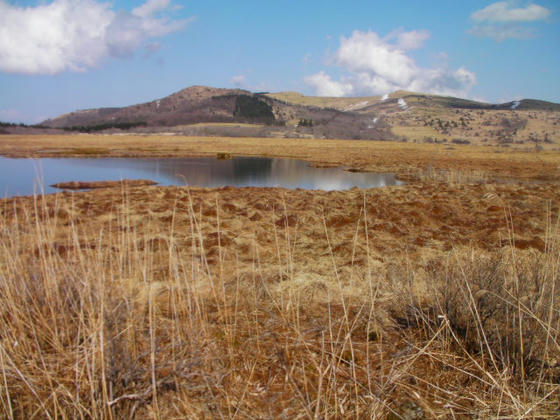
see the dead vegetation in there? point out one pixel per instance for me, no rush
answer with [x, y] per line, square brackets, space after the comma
[431, 300]
[491, 127]
[377, 156]
[86, 185]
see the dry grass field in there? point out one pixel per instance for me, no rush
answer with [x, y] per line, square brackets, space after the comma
[406, 159]
[341, 103]
[429, 118]
[521, 129]
[436, 299]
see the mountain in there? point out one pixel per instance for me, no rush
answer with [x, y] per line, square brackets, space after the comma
[192, 105]
[200, 104]
[432, 118]
[402, 115]
[375, 103]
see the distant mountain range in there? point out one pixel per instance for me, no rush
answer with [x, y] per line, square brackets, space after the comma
[386, 102]
[201, 110]
[207, 105]
[200, 104]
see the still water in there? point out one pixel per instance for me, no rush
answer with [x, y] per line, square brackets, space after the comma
[26, 176]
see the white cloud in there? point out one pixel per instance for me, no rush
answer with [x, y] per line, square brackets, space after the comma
[150, 7]
[325, 86]
[501, 21]
[502, 11]
[76, 34]
[366, 52]
[408, 40]
[374, 66]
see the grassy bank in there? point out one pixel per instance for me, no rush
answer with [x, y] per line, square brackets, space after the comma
[380, 156]
[430, 300]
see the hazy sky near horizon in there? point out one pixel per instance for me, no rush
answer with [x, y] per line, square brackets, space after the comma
[57, 56]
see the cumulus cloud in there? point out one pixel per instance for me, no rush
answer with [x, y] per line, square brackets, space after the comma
[366, 53]
[373, 66]
[76, 34]
[324, 85]
[501, 21]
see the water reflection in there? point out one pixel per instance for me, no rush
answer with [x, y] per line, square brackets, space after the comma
[22, 176]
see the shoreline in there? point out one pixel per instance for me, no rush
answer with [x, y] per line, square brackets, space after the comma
[198, 296]
[403, 159]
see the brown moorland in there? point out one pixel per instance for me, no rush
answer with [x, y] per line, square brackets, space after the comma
[408, 160]
[434, 299]
[405, 116]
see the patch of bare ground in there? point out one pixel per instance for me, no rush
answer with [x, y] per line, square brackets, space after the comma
[435, 299]
[89, 185]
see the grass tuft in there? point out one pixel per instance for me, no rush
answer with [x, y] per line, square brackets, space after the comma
[158, 318]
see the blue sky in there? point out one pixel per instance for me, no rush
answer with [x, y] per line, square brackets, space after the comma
[57, 56]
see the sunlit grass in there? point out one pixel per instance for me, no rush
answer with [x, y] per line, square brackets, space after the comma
[163, 320]
[377, 156]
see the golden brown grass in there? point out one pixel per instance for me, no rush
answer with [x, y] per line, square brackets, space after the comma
[255, 303]
[438, 299]
[452, 177]
[418, 133]
[340, 103]
[401, 158]
[482, 127]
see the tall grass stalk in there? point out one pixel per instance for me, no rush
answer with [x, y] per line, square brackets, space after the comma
[152, 319]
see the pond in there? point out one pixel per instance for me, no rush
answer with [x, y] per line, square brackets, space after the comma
[26, 176]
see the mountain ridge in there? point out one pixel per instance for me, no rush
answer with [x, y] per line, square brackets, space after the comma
[202, 94]
[402, 115]
[456, 102]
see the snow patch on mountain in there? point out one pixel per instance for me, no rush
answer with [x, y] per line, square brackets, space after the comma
[402, 104]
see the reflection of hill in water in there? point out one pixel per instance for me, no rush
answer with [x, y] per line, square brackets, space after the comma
[252, 168]
[213, 172]
[240, 171]
[299, 174]
[199, 172]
